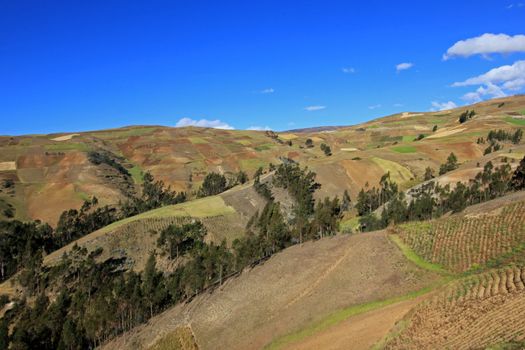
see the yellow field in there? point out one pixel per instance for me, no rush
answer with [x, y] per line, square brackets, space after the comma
[288, 136]
[398, 173]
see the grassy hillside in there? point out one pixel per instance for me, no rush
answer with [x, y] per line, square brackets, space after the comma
[224, 216]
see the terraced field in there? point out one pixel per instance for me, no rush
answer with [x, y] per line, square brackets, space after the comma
[463, 242]
[473, 313]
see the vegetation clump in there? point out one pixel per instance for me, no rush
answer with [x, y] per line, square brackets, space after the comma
[465, 116]
[451, 164]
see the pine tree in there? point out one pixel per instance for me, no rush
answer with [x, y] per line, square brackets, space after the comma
[517, 183]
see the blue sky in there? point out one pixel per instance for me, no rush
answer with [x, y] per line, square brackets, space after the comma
[73, 66]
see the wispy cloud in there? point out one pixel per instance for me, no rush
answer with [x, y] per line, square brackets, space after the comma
[348, 70]
[486, 44]
[259, 128]
[404, 66]
[204, 123]
[442, 106]
[267, 91]
[398, 105]
[314, 108]
[495, 82]
[374, 106]
[515, 5]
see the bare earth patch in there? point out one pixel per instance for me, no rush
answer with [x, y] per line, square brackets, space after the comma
[5, 166]
[65, 137]
[446, 132]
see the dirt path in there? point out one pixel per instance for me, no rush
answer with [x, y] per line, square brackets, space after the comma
[358, 332]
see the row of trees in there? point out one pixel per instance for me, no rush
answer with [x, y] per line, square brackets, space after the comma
[215, 183]
[432, 200]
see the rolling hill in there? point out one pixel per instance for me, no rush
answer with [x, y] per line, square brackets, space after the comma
[55, 168]
[416, 285]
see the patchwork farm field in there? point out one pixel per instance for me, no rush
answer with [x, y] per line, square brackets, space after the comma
[174, 155]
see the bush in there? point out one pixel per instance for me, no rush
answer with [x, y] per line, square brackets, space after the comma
[213, 184]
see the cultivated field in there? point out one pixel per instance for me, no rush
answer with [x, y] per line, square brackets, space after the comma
[474, 313]
[471, 240]
[54, 169]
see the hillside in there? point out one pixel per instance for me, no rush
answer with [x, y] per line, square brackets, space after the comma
[289, 292]
[55, 169]
[264, 264]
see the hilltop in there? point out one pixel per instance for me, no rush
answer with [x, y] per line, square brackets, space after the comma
[55, 169]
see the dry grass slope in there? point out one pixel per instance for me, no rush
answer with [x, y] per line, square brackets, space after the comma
[294, 289]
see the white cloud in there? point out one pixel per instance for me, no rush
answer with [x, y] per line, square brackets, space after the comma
[314, 108]
[216, 124]
[491, 90]
[486, 44]
[404, 66]
[267, 91]
[516, 5]
[442, 106]
[504, 74]
[259, 128]
[374, 107]
[495, 82]
[348, 70]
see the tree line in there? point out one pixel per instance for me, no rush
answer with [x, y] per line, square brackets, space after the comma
[431, 200]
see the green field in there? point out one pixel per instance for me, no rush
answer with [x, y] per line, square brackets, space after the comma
[404, 149]
[515, 121]
[409, 138]
[197, 140]
[251, 164]
[199, 208]
[264, 147]
[136, 174]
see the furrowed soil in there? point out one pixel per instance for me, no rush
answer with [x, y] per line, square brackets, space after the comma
[294, 289]
[475, 313]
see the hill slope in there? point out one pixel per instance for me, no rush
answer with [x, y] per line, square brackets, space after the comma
[297, 287]
[55, 169]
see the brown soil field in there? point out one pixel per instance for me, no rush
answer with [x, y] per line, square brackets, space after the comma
[296, 287]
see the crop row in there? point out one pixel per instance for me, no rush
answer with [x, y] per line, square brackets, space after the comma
[461, 243]
[473, 313]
